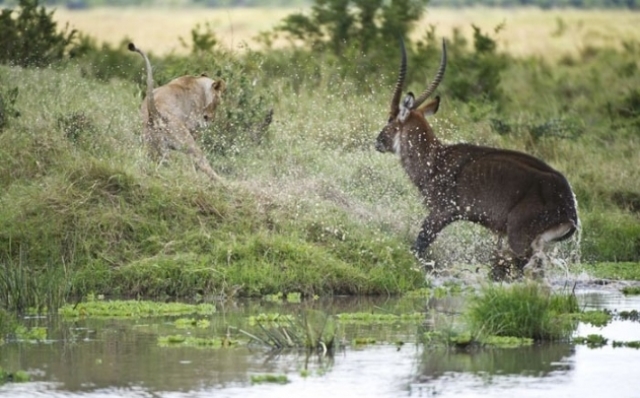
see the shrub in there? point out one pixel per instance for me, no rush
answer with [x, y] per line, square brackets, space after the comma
[31, 38]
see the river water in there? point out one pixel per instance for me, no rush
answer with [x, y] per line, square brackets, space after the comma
[122, 358]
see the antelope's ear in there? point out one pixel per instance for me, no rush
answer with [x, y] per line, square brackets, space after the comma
[406, 106]
[219, 86]
[430, 108]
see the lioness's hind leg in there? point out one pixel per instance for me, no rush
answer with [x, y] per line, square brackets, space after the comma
[199, 159]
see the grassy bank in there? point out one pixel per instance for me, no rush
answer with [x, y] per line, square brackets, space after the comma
[309, 206]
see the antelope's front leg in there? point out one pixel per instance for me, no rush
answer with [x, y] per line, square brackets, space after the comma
[431, 227]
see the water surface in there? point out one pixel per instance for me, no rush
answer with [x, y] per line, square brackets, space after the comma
[122, 358]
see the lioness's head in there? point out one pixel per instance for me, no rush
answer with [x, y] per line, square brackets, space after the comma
[213, 96]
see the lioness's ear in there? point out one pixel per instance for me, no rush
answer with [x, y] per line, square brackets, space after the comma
[219, 85]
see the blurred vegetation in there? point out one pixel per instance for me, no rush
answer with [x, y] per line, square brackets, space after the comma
[31, 38]
[310, 207]
[545, 4]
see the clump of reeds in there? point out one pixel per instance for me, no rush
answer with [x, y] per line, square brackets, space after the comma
[310, 331]
[523, 310]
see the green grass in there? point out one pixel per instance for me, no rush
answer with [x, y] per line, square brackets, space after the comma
[621, 270]
[526, 310]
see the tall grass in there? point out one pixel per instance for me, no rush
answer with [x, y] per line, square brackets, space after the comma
[522, 310]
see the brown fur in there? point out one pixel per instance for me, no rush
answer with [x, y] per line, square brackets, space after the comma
[511, 193]
[173, 114]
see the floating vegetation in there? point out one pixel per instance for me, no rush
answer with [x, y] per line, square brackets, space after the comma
[506, 341]
[360, 341]
[372, 318]
[180, 340]
[632, 315]
[591, 341]
[466, 339]
[447, 339]
[631, 290]
[190, 323]
[269, 378]
[273, 298]
[16, 377]
[274, 317]
[523, 310]
[628, 344]
[133, 309]
[30, 334]
[294, 297]
[597, 318]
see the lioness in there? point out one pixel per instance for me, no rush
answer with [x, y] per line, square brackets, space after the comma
[173, 113]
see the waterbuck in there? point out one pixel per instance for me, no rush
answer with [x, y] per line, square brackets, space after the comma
[511, 193]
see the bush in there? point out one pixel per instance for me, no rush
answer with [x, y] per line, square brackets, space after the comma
[31, 39]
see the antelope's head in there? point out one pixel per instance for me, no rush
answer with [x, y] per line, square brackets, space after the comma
[409, 116]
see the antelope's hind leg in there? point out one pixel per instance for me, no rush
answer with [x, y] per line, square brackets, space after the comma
[535, 266]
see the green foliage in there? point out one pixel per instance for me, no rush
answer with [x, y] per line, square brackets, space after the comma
[475, 75]
[595, 318]
[269, 378]
[132, 309]
[8, 111]
[357, 33]
[203, 39]
[336, 25]
[31, 37]
[506, 341]
[23, 288]
[632, 315]
[629, 344]
[16, 377]
[311, 330]
[522, 310]
[366, 318]
[8, 323]
[631, 290]
[614, 270]
[104, 61]
[180, 340]
[591, 341]
[613, 235]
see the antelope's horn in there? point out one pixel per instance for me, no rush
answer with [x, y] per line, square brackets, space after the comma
[436, 81]
[395, 100]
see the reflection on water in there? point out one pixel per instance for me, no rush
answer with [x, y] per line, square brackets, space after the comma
[121, 358]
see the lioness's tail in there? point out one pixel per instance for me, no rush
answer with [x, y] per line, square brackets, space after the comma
[151, 105]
